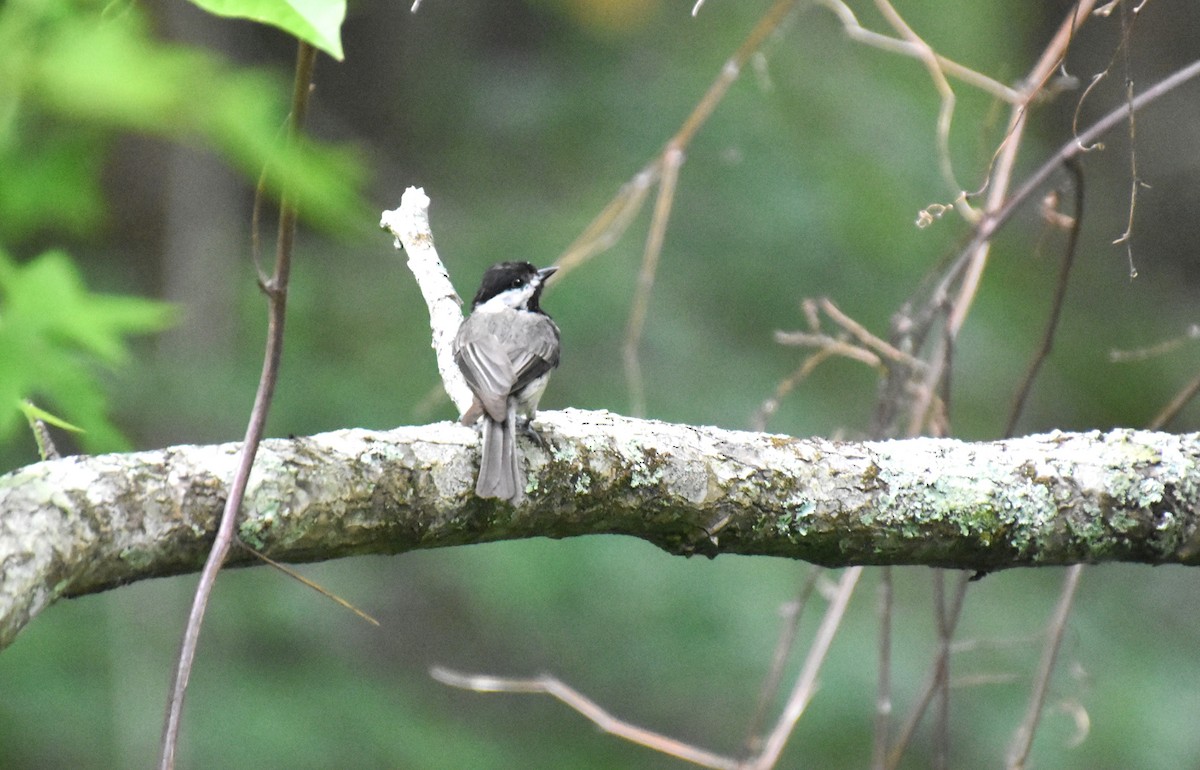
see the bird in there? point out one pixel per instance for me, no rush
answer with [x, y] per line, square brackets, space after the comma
[506, 349]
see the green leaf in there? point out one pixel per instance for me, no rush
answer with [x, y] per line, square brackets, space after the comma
[34, 412]
[98, 75]
[318, 22]
[56, 337]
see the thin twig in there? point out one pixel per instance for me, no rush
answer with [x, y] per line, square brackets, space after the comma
[1023, 738]
[276, 290]
[1177, 404]
[768, 408]
[931, 682]
[1158, 349]
[990, 224]
[872, 351]
[549, 685]
[1056, 305]
[967, 269]
[1122, 51]
[671, 162]
[799, 698]
[1135, 181]
[612, 221]
[883, 348]
[1001, 176]
[805, 686]
[945, 635]
[861, 34]
[831, 345]
[783, 649]
[883, 688]
[294, 575]
[945, 93]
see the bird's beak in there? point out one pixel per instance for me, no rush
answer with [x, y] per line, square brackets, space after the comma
[545, 273]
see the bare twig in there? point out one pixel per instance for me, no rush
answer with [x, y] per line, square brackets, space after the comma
[861, 34]
[834, 346]
[612, 221]
[952, 615]
[276, 291]
[945, 96]
[998, 184]
[871, 341]
[991, 223]
[770, 405]
[1158, 349]
[1135, 181]
[883, 690]
[1056, 305]
[967, 268]
[409, 225]
[945, 635]
[666, 169]
[787, 640]
[671, 161]
[549, 685]
[1121, 51]
[806, 683]
[799, 698]
[1023, 738]
[870, 350]
[322, 590]
[1181, 400]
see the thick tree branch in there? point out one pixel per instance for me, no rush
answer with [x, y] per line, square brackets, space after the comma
[85, 524]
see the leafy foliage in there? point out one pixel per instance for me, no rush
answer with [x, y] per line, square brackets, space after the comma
[74, 74]
[54, 333]
[82, 74]
[315, 21]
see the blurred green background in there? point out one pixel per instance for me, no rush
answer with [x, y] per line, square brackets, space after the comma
[521, 120]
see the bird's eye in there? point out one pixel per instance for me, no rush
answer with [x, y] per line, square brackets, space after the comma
[516, 283]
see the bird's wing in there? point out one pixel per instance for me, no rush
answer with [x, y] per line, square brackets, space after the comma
[488, 371]
[540, 352]
[502, 352]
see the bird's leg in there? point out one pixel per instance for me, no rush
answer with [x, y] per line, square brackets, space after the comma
[525, 425]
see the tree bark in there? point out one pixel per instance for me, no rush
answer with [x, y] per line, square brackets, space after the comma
[85, 524]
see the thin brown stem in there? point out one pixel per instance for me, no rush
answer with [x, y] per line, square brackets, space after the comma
[672, 160]
[294, 575]
[276, 291]
[783, 649]
[612, 221]
[967, 268]
[931, 682]
[868, 37]
[771, 405]
[945, 632]
[805, 687]
[549, 685]
[990, 224]
[998, 185]
[945, 93]
[1023, 739]
[883, 690]
[1178, 403]
[1056, 306]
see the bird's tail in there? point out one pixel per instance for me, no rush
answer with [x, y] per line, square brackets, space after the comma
[500, 466]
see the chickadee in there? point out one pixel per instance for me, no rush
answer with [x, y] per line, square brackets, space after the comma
[506, 348]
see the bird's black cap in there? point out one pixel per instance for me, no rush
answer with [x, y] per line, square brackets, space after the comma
[503, 276]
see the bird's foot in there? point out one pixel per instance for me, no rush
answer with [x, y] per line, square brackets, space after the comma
[525, 425]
